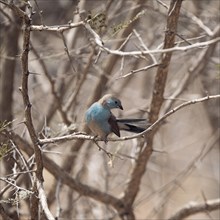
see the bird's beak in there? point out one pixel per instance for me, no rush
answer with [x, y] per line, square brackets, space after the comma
[120, 106]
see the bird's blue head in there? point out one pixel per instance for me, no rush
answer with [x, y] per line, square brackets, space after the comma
[111, 102]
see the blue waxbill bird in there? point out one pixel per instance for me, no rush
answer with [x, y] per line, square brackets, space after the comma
[102, 122]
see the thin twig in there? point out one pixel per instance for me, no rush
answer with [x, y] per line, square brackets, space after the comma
[67, 52]
[172, 49]
[56, 28]
[132, 72]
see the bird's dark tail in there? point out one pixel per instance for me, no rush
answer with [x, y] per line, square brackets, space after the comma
[132, 128]
[132, 125]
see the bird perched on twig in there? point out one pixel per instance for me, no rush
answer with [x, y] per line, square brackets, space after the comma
[102, 122]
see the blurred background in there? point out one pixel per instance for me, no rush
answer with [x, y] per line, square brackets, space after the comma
[68, 73]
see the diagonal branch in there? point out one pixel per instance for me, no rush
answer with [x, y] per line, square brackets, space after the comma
[157, 100]
[84, 136]
[194, 207]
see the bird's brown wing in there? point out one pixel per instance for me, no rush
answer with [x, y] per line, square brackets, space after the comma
[114, 125]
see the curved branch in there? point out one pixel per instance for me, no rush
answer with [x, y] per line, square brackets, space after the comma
[193, 208]
[80, 135]
[99, 42]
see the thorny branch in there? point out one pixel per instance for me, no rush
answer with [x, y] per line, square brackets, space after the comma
[38, 185]
[100, 43]
[58, 173]
[158, 122]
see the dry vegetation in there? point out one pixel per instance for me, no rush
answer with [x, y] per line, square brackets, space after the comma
[161, 58]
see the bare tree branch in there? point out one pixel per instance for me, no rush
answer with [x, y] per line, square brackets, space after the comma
[79, 135]
[58, 173]
[157, 100]
[118, 52]
[56, 28]
[194, 208]
[38, 191]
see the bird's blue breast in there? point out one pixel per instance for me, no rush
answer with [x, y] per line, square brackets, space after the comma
[99, 115]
